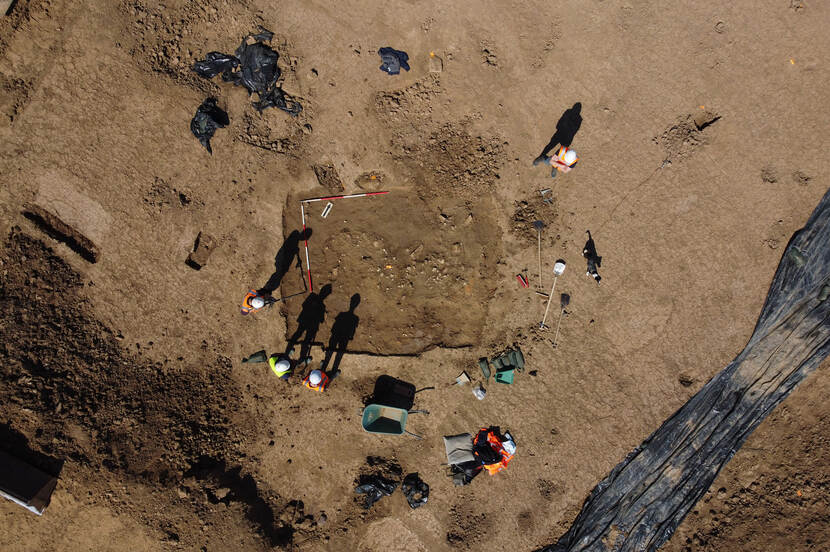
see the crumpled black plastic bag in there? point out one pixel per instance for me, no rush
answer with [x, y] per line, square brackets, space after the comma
[393, 60]
[215, 63]
[253, 66]
[207, 119]
[415, 490]
[375, 487]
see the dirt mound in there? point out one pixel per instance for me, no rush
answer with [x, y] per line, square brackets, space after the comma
[440, 158]
[527, 212]
[69, 391]
[150, 420]
[685, 135]
[414, 101]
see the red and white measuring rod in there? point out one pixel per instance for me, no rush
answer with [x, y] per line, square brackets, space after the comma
[367, 194]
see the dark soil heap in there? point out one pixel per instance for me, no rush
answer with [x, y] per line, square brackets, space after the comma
[70, 392]
[66, 368]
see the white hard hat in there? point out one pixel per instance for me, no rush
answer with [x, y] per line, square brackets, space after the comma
[315, 377]
[282, 365]
[257, 302]
[570, 157]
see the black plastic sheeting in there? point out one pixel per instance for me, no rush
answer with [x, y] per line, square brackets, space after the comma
[207, 119]
[253, 66]
[415, 490]
[375, 487]
[641, 502]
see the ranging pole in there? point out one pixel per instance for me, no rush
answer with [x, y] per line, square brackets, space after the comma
[305, 238]
[341, 197]
[305, 234]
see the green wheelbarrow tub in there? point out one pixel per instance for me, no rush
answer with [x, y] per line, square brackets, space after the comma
[387, 420]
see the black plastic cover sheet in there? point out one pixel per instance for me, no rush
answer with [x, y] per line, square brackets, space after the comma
[207, 119]
[415, 490]
[253, 66]
[375, 487]
[642, 501]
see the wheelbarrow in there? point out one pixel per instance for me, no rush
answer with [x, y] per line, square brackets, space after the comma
[387, 420]
[390, 406]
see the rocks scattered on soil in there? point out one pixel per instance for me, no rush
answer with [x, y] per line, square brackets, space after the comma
[406, 266]
[328, 178]
[528, 211]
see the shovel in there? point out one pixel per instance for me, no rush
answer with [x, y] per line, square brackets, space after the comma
[558, 269]
[564, 300]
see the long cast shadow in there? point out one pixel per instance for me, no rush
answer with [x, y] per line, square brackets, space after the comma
[288, 251]
[566, 128]
[311, 317]
[342, 331]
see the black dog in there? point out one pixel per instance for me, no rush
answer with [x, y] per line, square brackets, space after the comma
[594, 260]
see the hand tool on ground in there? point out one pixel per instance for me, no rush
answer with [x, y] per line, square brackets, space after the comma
[564, 299]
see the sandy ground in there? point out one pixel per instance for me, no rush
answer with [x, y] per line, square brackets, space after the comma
[129, 369]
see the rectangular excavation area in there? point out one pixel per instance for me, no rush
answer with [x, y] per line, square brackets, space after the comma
[423, 272]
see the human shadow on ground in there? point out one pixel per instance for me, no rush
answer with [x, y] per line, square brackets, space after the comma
[289, 250]
[342, 331]
[312, 315]
[566, 129]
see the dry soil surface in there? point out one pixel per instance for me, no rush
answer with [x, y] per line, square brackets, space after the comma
[128, 370]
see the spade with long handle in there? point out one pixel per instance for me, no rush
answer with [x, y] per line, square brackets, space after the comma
[564, 299]
[538, 225]
[558, 269]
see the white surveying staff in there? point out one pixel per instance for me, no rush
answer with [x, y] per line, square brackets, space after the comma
[558, 269]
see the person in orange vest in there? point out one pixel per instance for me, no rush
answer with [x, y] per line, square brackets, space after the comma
[493, 449]
[255, 301]
[563, 161]
[316, 380]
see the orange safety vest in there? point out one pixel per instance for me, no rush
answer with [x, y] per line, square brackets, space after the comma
[246, 303]
[320, 386]
[495, 444]
[560, 156]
